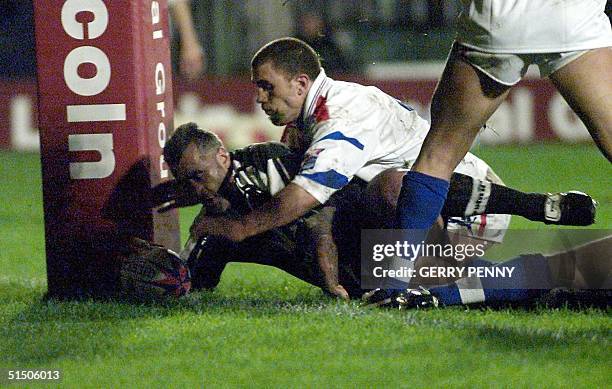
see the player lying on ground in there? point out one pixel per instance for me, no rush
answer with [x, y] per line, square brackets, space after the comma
[588, 266]
[234, 183]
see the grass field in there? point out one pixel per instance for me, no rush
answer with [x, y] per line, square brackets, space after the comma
[262, 327]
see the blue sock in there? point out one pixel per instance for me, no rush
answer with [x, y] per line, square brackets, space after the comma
[529, 280]
[420, 200]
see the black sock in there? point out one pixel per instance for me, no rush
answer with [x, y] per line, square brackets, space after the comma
[469, 196]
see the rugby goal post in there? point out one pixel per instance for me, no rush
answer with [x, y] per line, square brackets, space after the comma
[105, 111]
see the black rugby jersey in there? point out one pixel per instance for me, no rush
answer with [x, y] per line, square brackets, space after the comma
[258, 172]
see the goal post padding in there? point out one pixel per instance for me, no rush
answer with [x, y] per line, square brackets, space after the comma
[105, 111]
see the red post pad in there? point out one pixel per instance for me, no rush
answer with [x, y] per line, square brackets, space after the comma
[105, 110]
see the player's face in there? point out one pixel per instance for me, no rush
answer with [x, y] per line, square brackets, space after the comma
[281, 98]
[204, 170]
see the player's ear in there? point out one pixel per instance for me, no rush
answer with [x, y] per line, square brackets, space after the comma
[303, 83]
[223, 157]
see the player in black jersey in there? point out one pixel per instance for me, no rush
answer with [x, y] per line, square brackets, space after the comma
[322, 247]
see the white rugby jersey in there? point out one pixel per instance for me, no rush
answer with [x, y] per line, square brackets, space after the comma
[534, 26]
[353, 130]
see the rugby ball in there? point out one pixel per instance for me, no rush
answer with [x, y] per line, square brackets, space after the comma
[151, 272]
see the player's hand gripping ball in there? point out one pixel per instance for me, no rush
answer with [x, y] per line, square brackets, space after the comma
[151, 272]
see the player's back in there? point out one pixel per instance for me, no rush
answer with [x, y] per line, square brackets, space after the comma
[392, 129]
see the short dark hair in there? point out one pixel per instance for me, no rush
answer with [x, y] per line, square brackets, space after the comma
[291, 55]
[185, 135]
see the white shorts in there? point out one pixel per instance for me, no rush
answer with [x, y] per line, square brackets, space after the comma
[501, 38]
[486, 227]
[534, 26]
[508, 69]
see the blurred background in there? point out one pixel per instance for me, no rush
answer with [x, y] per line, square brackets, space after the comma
[349, 33]
[397, 45]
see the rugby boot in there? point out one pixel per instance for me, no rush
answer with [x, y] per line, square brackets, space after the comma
[400, 298]
[570, 209]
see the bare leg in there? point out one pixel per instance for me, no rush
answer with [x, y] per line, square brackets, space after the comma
[383, 197]
[463, 101]
[586, 84]
[585, 267]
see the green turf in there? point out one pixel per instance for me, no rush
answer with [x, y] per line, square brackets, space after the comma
[262, 327]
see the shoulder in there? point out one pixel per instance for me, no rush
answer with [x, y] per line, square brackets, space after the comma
[272, 159]
[354, 102]
[258, 154]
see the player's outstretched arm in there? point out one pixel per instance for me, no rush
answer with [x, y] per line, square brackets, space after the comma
[285, 207]
[206, 263]
[180, 193]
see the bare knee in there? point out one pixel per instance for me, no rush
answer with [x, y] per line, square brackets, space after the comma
[586, 85]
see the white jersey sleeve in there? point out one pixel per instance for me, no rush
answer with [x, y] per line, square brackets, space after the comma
[338, 150]
[354, 131]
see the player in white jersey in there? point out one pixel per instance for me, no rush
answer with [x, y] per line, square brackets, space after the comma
[347, 130]
[498, 39]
